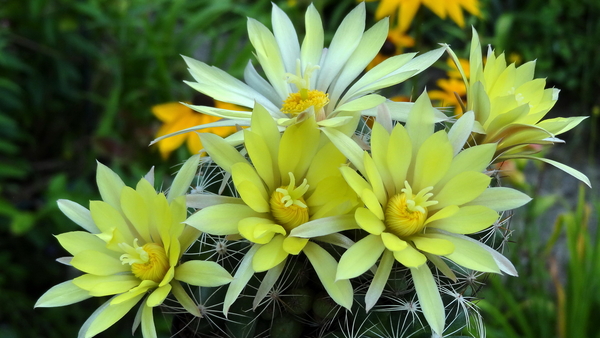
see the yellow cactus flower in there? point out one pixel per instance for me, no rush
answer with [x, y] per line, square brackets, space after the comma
[422, 195]
[176, 117]
[298, 77]
[131, 250]
[291, 192]
[408, 8]
[509, 105]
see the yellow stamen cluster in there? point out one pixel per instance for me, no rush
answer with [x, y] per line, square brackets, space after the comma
[148, 262]
[406, 213]
[297, 103]
[288, 206]
[305, 98]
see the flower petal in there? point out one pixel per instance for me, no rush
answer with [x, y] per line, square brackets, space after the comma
[325, 266]
[158, 296]
[392, 242]
[368, 221]
[429, 298]
[76, 241]
[78, 214]
[224, 154]
[202, 273]
[293, 245]
[360, 257]
[500, 199]
[110, 185]
[269, 255]
[184, 299]
[250, 186]
[184, 177]
[148, 328]
[267, 283]
[99, 286]
[240, 279]
[65, 293]
[379, 280]
[410, 257]
[324, 226]
[105, 316]
[433, 161]
[220, 219]
[470, 254]
[468, 220]
[461, 189]
[98, 263]
[436, 246]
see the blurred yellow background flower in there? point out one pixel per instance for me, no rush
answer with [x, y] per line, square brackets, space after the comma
[442, 8]
[176, 116]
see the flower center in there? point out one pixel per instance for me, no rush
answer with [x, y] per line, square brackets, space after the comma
[288, 206]
[406, 213]
[305, 98]
[148, 262]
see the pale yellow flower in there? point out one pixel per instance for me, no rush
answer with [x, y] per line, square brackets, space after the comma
[295, 76]
[509, 106]
[131, 250]
[422, 195]
[290, 193]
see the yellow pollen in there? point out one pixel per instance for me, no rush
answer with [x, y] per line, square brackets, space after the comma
[299, 102]
[406, 213]
[288, 206]
[148, 262]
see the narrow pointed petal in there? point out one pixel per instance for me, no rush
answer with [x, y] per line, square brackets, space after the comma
[470, 254]
[78, 214]
[148, 328]
[500, 199]
[267, 283]
[379, 280]
[184, 177]
[184, 299]
[286, 38]
[110, 185]
[312, 45]
[460, 131]
[347, 146]
[344, 42]
[65, 293]
[220, 151]
[325, 266]
[105, 316]
[429, 298]
[242, 275]
[324, 226]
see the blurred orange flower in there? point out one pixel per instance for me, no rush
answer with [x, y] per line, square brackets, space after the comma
[408, 8]
[176, 116]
